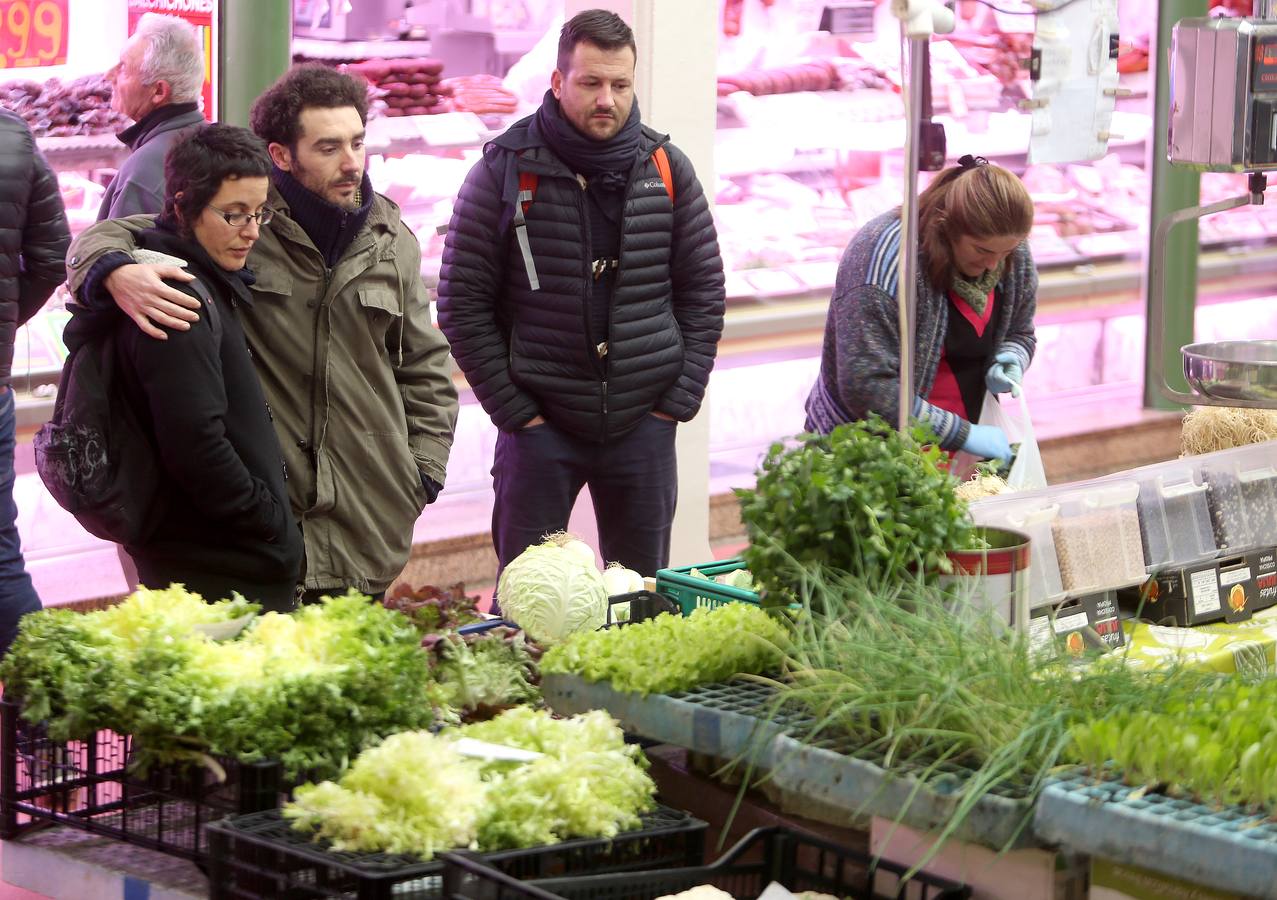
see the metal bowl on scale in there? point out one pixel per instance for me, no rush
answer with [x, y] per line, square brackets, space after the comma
[1233, 370]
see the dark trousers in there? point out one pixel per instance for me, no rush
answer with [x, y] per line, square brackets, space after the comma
[538, 473]
[17, 595]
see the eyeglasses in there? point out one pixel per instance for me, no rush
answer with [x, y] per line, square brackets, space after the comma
[240, 219]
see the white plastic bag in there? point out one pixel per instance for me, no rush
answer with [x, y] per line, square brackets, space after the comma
[1027, 472]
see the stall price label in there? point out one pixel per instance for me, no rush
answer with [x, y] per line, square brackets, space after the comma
[33, 33]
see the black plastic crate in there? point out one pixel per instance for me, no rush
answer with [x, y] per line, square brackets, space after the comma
[799, 862]
[261, 857]
[88, 785]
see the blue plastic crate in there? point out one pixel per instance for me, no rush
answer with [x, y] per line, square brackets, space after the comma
[1229, 849]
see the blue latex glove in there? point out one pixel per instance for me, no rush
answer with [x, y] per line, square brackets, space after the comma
[1005, 374]
[988, 442]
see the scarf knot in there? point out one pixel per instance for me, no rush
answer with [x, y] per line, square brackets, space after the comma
[609, 162]
[975, 291]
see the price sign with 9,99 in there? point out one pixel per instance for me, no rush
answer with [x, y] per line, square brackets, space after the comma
[33, 33]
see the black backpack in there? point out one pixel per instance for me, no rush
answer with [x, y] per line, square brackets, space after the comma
[95, 456]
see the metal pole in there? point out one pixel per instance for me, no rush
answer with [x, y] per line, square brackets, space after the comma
[1173, 188]
[907, 289]
[254, 49]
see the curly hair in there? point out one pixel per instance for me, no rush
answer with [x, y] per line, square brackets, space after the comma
[600, 27]
[276, 114]
[196, 166]
[981, 201]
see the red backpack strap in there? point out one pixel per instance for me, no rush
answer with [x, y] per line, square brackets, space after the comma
[662, 160]
[528, 186]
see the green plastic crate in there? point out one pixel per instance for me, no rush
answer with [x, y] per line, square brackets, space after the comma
[690, 592]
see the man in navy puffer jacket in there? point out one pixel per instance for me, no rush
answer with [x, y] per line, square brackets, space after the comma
[33, 244]
[582, 293]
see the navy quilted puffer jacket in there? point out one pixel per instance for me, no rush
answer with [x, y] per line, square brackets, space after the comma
[529, 352]
[33, 233]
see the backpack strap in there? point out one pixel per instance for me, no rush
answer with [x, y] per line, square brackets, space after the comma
[662, 160]
[214, 317]
[527, 187]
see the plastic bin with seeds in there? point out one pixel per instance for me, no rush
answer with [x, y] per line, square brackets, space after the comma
[1174, 515]
[1097, 538]
[1242, 494]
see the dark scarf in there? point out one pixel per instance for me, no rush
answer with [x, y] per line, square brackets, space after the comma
[330, 227]
[608, 161]
[133, 135]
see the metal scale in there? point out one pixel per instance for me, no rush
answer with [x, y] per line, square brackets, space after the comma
[1223, 118]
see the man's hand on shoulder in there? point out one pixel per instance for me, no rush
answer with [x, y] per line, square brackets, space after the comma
[139, 290]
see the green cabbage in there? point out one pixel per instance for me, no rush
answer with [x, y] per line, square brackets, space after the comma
[551, 593]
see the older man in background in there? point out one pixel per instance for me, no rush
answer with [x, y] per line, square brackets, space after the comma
[157, 84]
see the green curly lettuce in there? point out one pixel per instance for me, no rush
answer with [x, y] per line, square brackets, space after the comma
[415, 793]
[588, 783]
[310, 689]
[670, 653]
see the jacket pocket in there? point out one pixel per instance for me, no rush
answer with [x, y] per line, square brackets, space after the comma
[383, 309]
[400, 496]
[273, 281]
[514, 357]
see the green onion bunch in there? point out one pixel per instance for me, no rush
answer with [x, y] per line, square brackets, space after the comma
[922, 682]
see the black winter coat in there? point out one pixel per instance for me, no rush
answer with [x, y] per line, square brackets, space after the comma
[33, 233]
[528, 353]
[228, 524]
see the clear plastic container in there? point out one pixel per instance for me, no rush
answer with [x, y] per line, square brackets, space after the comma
[1175, 521]
[1097, 538]
[1242, 496]
[1032, 516]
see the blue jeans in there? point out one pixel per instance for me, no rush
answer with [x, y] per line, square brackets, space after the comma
[17, 594]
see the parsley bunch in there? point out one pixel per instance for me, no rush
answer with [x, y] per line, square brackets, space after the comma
[863, 499]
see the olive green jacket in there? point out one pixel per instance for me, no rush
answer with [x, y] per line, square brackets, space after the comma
[358, 381]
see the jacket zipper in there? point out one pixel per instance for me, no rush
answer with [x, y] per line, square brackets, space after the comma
[591, 350]
[311, 444]
[587, 301]
[620, 267]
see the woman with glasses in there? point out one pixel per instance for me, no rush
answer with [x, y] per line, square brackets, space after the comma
[227, 526]
[977, 292]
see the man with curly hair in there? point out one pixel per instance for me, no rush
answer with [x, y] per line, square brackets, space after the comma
[355, 374]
